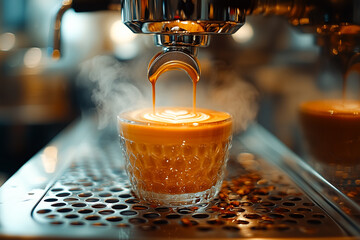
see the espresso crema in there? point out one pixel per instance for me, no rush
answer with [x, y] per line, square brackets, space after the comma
[171, 125]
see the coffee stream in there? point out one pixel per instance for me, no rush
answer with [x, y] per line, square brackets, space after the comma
[175, 116]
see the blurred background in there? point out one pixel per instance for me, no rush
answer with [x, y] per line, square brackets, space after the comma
[260, 73]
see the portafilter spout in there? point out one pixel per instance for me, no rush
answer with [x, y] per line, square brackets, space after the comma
[174, 58]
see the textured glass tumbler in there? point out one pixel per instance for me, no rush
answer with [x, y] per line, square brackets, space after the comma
[331, 130]
[175, 164]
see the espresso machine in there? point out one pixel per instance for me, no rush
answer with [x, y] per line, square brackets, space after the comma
[180, 27]
[76, 187]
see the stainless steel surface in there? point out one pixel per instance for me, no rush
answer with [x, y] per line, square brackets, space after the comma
[181, 23]
[77, 188]
[180, 20]
[331, 199]
[182, 17]
[190, 23]
[168, 40]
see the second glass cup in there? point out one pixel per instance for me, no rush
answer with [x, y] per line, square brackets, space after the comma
[175, 157]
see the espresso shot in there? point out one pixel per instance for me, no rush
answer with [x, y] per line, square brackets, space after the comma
[332, 130]
[175, 157]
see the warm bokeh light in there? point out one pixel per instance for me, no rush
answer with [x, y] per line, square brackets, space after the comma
[124, 41]
[7, 41]
[32, 57]
[244, 34]
[49, 159]
[120, 34]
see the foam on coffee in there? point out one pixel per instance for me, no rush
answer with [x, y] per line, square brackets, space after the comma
[176, 116]
[343, 108]
[176, 124]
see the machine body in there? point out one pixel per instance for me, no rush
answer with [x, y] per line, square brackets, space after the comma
[185, 25]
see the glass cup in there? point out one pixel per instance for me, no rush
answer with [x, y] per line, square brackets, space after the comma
[332, 134]
[175, 161]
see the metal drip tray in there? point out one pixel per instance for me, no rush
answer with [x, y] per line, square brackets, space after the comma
[97, 195]
[88, 196]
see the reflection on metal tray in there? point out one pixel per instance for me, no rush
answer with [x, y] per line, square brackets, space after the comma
[77, 187]
[342, 208]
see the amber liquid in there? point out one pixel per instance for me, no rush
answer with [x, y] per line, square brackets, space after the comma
[332, 130]
[171, 65]
[176, 158]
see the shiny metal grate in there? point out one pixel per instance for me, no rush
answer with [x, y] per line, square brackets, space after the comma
[256, 200]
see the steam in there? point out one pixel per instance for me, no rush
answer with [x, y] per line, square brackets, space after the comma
[114, 88]
[230, 93]
[119, 86]
[218, 89]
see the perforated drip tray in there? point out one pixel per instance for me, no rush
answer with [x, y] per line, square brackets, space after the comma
[77, 188]
[256, 200]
